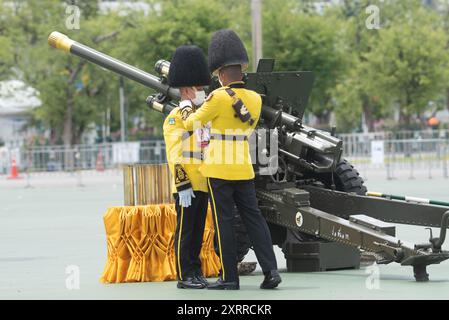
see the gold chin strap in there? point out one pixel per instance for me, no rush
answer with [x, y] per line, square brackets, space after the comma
[243, 65]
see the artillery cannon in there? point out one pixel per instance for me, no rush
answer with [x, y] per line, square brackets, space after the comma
[315, 198]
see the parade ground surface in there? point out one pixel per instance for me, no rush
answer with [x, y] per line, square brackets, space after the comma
[50, 222]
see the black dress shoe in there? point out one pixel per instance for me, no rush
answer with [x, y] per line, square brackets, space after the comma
[271, 281]
[224, 285]
[190, 283]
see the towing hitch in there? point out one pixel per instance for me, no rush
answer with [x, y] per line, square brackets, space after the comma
[431, 252]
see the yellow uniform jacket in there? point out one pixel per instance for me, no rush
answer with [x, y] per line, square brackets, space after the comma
[184, 154]
[228, 155]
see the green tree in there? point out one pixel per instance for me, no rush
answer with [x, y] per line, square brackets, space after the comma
[395, 65]
[73, 93]
[444, 18]
[306, 41]
[409, 63]
[156, 37]
[353, 94]
[358, 71]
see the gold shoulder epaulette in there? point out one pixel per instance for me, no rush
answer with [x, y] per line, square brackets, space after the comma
[186, 112]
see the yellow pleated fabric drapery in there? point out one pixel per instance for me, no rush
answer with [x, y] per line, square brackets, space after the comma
[140, 244]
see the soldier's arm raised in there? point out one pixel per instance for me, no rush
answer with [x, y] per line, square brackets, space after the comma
[208, 111]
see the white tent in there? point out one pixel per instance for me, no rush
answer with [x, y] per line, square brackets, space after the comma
[17, 98]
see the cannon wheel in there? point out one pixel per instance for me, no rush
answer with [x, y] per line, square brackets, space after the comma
[346, 179]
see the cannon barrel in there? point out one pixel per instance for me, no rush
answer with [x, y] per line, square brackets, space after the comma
[299, 138]
[62, 42]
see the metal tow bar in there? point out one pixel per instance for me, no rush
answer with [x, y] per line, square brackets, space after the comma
[289, 208]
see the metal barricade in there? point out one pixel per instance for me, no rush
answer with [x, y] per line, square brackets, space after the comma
[406, 153]
[81, 157]
[405, 156]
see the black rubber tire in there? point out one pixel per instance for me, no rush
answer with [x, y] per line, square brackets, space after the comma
[346, 179]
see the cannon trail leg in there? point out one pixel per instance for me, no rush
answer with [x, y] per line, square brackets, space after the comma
[290, 208]
[420, 273]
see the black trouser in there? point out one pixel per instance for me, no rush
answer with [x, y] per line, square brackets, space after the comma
[189, 235]
[224, 194]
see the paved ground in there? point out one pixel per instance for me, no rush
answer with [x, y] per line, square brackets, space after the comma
[56, 224]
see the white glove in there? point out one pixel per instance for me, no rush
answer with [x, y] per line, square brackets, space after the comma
[185, 197]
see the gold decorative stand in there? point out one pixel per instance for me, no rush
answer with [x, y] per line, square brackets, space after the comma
[140, 235]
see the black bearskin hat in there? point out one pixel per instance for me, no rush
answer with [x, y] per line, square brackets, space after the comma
[188, 68]
[226, 49]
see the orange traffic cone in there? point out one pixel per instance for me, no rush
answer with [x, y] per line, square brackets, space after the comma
[99, 164]
[14, 170]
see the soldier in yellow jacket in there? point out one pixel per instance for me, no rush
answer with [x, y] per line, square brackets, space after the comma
[233, 112]
[188, 72]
